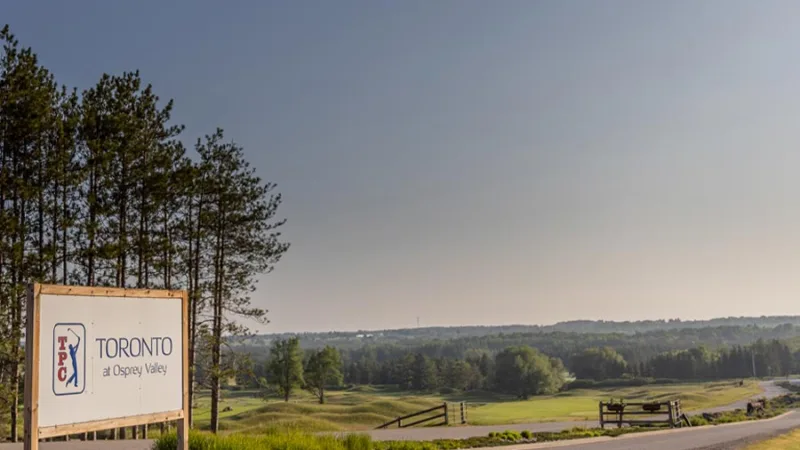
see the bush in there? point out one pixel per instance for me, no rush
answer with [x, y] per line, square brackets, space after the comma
[510, 435]
[698, 421]
[526, 434]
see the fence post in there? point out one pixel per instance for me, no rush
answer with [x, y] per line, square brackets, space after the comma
[446, 414]
[671, 415]
[602, 422]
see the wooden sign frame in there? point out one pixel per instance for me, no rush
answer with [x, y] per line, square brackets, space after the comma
[33, 433]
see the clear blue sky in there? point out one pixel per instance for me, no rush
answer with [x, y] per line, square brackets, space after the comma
[485, 162]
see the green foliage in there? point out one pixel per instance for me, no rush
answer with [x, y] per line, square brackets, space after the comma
[598, 364]
[286, 366]
[660, 355]
[284, 440]
[525, 371]
[698, 421]
[424, 374]
[323, 369]
[96, 189]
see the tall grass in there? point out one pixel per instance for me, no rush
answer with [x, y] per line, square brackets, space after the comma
[287, 440]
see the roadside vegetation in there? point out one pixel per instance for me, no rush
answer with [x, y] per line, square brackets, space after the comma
[291, 440]
[788, 441]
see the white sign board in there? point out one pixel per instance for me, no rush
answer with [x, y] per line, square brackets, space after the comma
[101, 358]
[106, 357]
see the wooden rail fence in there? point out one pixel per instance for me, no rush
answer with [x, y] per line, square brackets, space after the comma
[443, 413]
[619, 413]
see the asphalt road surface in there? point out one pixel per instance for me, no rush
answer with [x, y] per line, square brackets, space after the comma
[770, 390]
[713, 437]
[719, 437]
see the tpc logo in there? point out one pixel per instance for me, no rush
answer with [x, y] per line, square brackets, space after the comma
[69, 358]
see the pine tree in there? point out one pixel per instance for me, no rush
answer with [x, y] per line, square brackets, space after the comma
[26, 95]
[242, 235]
[96, 189]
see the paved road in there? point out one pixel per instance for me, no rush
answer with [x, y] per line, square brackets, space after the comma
[714, 437]
[672, 440]
[770, 390]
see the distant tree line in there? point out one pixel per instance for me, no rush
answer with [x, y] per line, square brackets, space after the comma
[373, 360]
[97, 189]
[522, 370]
[745, 329]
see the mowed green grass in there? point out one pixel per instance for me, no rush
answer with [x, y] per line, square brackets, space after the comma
[356, 409]
[367, 407]
[582, 404]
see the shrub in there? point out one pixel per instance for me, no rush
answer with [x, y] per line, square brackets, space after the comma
[697, 421]
[510, 435]
[526, 434]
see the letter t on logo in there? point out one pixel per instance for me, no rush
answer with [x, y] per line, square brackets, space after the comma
[62, 340]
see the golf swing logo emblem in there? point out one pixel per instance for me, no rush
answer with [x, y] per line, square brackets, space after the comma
[69, 358]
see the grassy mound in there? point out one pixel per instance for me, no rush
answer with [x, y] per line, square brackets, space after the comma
[343, 411]
[287, 440]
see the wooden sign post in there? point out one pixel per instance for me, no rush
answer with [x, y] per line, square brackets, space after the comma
[100, 358]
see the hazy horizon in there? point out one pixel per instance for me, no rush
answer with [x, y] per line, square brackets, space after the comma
[485, 162]
[510, 324]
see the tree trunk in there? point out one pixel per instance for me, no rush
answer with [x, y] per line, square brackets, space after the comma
[286, 374]
[40, 210]
[216, 332]
[167, 252]
[193, 305]
[122, 238]
[56, 240]
[64, 231]
[195, 296]
[93, 199]
[16, 324]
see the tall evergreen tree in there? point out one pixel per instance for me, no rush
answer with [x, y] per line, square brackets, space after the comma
[27, 94]
[243, 240]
